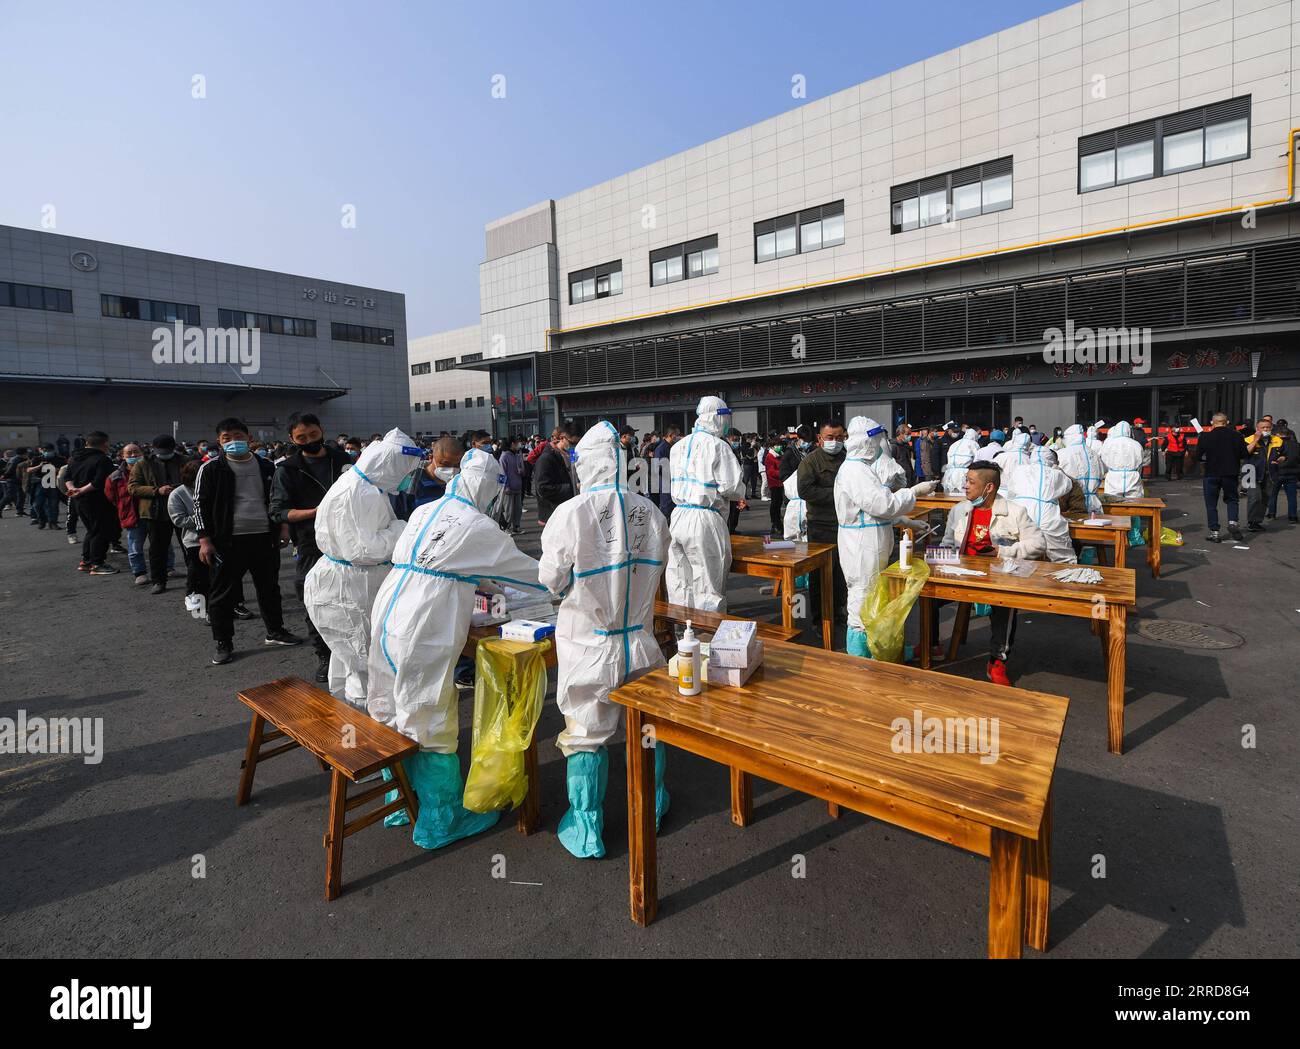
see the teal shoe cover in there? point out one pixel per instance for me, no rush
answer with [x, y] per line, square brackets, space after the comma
[855, 643]
[442, 819]
[1088, 555]
[1135, 537]
[981, 610]
[662, 800]
[801, 582]
[400, 818]
[586, 775]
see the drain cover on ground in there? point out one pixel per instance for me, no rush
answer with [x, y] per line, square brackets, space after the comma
[1188, 635]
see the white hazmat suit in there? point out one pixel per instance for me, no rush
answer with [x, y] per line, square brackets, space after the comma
[960, 455]
[356, 531]
[1122, 458]
[706, 476]
[420, 621]
[1015, 452]
[866, 510]
[796, 511]
[1082, 463]
[604, 549]
[1038, 485]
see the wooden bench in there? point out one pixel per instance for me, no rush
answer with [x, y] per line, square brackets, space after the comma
[348, 743]
[667, 614]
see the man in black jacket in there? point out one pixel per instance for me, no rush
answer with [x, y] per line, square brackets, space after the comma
[817, 489]
[1221, 450]
[300, 483]
[553, 474]
[232, 495]
[87, 471]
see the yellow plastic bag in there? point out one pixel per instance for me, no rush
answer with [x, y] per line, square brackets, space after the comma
[509, 689]
[884, 618]
[1168, 537]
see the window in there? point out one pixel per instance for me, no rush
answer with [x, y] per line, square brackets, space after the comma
[421, 369]
[1194, 138]
[977, 190]
[453, 404]
[596, 282]
[693, 258]
[442, 406]
[35, 297]
[416, 407]
[360, 333]
[446, 364]
[427, 406]
[268, 324]
[470, 358]
[478, 402]
[803, 231]
[134, 309]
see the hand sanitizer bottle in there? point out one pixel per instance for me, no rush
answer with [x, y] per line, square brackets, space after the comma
[688, 663]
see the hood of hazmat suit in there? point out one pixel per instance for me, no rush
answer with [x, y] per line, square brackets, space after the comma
[989, 452]
[356, 531]
[795, 519]
[604, 550]
[1038, 485]
[421, 615]
[960, 455]
[706, 476]
[1122, 458]
[866, 510]
[1082, 463]
[1015, 452]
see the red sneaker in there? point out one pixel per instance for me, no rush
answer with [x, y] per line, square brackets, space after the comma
[997, 672]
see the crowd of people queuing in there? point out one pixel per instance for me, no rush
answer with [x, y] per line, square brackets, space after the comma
[389, 597]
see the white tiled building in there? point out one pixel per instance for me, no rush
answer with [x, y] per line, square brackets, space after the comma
[920, 231]
[444, 397]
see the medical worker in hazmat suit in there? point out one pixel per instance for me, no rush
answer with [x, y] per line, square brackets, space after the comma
[604, 550]
[866, 510]
[706, 476]
[356, 531]
[960, 455]
[993, 449]
[420, 621]
[1014, 453]
[1038, 485]
[1082, 463]
[796, 511]
[1093, 436]
[1121, 456]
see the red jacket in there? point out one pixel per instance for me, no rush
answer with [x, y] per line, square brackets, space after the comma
[772, 464]
[119, 495]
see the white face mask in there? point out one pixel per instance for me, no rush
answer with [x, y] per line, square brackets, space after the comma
[445, 473]
[832, 447]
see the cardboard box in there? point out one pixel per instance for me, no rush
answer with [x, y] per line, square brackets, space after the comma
[735, 645]
[716, 675]
[526, 630]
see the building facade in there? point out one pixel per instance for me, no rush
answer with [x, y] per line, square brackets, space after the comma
[907, 247]
[98, 336]
[444, 396]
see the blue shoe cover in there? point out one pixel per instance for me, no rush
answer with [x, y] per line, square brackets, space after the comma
[442, 819]
[855, 643]
[400, 818]
[976, 609]
[1088, 555]
[1135, 537]
[661, 792]
[581, 827]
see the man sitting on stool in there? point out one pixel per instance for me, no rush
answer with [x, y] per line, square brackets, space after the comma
[987, 525]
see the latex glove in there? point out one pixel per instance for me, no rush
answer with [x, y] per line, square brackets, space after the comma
[917, 527]
[925, 488]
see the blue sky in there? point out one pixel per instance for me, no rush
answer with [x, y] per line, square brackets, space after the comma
[389, 107]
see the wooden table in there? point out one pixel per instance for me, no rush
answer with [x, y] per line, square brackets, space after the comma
[749, 558]
[1150, 508]
[825, 723]
[1117, 542]
[1114, 533]
[1105, 604]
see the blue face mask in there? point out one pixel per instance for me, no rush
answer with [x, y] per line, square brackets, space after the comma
[235, 447]
[131, 460]
[352, 454]
[48, 455]
[165, 455]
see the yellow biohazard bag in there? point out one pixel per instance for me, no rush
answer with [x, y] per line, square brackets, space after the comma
[1168, 537]
[884, 617]
[509, 689]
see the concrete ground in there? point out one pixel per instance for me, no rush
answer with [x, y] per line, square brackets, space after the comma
[1198, 833]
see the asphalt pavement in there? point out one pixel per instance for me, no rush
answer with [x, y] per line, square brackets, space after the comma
[1197, 834]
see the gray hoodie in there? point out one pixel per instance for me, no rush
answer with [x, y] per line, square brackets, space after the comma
[180, 507]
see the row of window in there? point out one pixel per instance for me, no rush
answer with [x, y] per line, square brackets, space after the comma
[692, 258]
[35, 297]
[976, 190]
[598, 282]
[133, 309]
[360, 333]
[1184, 141]
[267, 323]
[1194, 138]
[802, 231]
[421, 369]
[443, 405]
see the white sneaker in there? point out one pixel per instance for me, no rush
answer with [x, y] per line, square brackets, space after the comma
[73, 540]
[140, 580]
